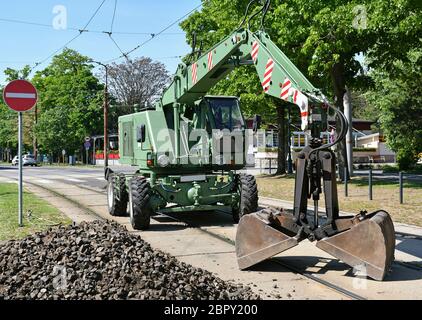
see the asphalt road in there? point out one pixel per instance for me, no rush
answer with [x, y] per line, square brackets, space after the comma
[94, 176]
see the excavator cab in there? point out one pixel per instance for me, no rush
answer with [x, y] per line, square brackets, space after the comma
[226, 113]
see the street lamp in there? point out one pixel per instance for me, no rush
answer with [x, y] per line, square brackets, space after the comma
[105, 113]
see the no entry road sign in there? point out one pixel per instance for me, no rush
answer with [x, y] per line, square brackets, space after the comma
[20, 95]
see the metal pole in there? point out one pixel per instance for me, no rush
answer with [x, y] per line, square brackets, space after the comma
[346, 189]
[20, 199]
[93, 152]
[105, 120]
[316, 212]
[401, 186]
[370, 184]
[289, 151]
[35, 137]
[347, 103]
[270, 165]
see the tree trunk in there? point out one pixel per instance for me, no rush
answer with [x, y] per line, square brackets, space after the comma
[339, 85]
[281, 137]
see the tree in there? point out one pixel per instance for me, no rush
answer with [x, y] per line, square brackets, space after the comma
[398, 97]
[70, 103]
[139, 81]
[14, 74]
[395, 61]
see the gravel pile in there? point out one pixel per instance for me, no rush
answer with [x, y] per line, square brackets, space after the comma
[101, 260]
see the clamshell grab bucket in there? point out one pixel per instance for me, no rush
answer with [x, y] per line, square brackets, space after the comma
[366, 242]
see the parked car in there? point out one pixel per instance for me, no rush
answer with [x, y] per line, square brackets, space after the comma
[27, 160]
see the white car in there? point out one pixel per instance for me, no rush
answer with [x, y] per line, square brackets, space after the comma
[27, 160]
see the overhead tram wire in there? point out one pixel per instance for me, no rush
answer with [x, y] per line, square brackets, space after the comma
[110, 33]
[114, 15]
[71, 40]
[50, 26]
[155, 35]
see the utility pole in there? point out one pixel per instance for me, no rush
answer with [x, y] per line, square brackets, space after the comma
[105, 109]
[35, 136]
[106, 119]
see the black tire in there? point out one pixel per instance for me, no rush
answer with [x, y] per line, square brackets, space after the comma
[139, 203]
[117, 207]
[246, 186]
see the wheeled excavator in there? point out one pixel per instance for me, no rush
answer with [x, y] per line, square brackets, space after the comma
[179, 174]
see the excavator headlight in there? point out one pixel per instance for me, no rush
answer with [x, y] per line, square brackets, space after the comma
[163, 160]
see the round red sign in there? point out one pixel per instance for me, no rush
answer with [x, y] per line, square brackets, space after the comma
[20, 95]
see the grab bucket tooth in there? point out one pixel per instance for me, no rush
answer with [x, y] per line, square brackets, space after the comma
[257, 240]
[368, 245]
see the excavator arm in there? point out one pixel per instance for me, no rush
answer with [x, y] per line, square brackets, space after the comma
[279, 77]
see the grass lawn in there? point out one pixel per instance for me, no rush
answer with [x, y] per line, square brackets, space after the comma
[385, 196]
[42, 217]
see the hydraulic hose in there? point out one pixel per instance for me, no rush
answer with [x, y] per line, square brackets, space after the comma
[342, 134]
[246, 13]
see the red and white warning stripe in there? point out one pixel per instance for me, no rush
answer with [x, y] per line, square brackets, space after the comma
[210, 63]
[194, 73]
[302, 101]
[255, 49]
[285, 89]
[268, 74]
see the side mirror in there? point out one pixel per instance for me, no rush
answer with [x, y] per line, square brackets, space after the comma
[140, 134]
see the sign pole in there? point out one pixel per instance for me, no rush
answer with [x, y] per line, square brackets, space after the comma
[20, 201]
[20, 96]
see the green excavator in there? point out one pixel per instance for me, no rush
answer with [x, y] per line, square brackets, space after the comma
[189, 148]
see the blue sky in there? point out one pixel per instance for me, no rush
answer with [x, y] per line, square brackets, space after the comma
[26, 44]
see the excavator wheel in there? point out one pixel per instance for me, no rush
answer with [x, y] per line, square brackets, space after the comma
[117, 206]
[139, 203]
[248, 192]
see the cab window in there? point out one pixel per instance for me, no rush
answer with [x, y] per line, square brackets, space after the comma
[226, 113]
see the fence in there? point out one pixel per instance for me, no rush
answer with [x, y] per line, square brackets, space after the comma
[370, 185]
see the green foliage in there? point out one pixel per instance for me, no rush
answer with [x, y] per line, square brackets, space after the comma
[398, 97]
[70, 102]
[13, 74]
[315, 35]
[8, 127]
